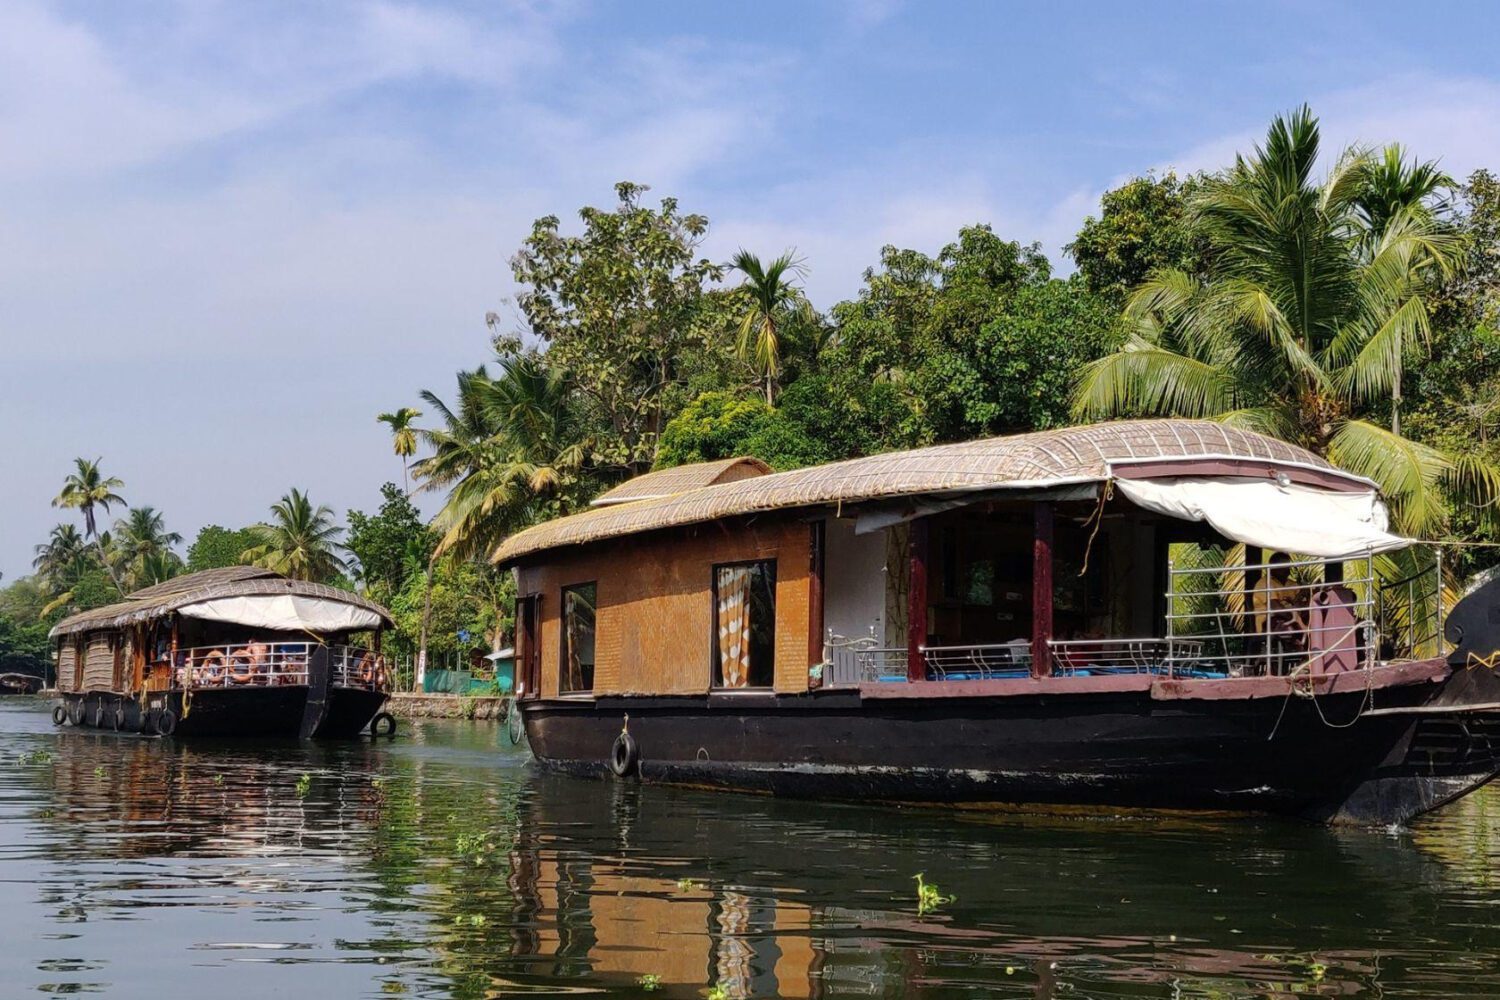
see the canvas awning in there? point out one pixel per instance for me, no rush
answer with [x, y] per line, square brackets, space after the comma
[284, 613]
[1292, 518]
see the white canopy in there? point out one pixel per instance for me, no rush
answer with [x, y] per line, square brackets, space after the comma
[1293, 518]
[284, 613]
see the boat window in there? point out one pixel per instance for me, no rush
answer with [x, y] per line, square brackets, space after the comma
[578, 604]
[745, 624]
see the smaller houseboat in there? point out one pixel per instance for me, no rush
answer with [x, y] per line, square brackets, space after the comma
[1160, 614]
[239, 651]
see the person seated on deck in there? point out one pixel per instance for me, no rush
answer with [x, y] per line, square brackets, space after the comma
[260, 656]
[1281, 615]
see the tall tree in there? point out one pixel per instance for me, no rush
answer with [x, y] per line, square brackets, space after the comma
[1142, 227]
[403, 437]
[63, 548]
[146, 547]
[300, 541]
[1394, 190]
[88, 490]
[1299, 326]
[772, 303]
[619, 308]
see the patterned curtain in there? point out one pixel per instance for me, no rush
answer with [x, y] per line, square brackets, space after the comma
[734, 626]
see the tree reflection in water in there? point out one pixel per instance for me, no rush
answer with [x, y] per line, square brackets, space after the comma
[440, 865]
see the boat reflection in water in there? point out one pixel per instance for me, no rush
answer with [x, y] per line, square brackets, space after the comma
[443, 866]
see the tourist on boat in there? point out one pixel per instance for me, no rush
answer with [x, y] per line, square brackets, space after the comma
[1281, 613]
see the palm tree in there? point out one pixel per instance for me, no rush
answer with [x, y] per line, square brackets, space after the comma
[85, 490]
[509, 445]
[1299, 329]
[301, 540]
[145, 547]
[773, 301]
[61, 550]
[514, 441]
[1395, 188]
[403, 437]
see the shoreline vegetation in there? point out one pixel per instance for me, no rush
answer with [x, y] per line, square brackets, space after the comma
[1347, 301]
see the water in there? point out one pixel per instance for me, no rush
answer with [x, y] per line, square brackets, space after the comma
[441, 865]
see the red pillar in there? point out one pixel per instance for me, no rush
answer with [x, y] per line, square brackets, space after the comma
[916, 596]
[1041, 590]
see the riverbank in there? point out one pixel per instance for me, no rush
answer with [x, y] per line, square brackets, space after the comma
[446, 706]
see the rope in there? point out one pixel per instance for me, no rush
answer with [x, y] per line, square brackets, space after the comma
[1303, 672]
[1105, 495]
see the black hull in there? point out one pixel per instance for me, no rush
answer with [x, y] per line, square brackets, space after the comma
[1105, 751]
[226, 712]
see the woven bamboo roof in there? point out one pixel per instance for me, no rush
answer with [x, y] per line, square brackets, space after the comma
[231, 581]
[1038, 459]
[681, 478]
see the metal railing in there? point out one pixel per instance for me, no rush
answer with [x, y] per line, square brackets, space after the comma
[1411, 611]
[270, 664]
[1284, 619]
[860, 661]
[1146, 655]
[979, 662]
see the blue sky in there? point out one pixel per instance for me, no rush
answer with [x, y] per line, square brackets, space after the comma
[230, 233]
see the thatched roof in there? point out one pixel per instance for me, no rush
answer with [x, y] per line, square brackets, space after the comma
[681, 478]
[1040, 459]
[210, 584]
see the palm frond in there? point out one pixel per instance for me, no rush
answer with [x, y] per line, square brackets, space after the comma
[1405, 471]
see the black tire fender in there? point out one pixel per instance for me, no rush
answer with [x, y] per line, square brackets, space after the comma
[625, 755]
[389, 726]
[75, 714]
[59, 714]
[166, 722]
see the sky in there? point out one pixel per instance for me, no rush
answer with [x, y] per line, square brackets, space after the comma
[232, 233]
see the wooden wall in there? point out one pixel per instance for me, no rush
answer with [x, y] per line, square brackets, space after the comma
[654, 629]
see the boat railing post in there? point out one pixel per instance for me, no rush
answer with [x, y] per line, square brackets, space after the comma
[1437, 599]
[1171, 618]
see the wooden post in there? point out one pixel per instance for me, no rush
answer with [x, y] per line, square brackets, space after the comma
[916, 597]
[815, 566]
[1041, 589]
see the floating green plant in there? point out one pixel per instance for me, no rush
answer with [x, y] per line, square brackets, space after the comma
[691, 884]
[304, 785]
[929, 896]
[649, 982]
[218, 779]
[35, 757]
[99, 771]
[718, 992]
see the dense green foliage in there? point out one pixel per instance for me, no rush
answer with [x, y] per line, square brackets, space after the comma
[216, 547]
[1142, 227]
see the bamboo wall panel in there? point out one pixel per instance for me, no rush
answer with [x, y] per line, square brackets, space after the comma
[66, 664]
[99, 663]
[654, 628]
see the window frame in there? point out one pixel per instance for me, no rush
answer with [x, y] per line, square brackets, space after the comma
[562, 639]
[713, 627]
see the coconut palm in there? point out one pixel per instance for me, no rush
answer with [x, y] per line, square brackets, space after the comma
[63, 548]
[772, 302]
[300, 541]
[513, 442]
[145, 547]
[87, 490]
[509, 446]
[1395, 187]
[1300, 326]
[403, 437]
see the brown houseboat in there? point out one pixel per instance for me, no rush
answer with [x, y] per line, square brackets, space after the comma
[1161, 614]
[239, 651]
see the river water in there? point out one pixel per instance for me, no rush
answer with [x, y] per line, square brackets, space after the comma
[440, 864]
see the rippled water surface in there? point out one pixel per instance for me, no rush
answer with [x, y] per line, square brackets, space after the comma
[441, 865]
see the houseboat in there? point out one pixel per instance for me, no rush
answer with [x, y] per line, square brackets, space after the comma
[239, 651]
[1154, 614]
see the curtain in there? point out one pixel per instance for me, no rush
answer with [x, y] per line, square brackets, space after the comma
[734, 626]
